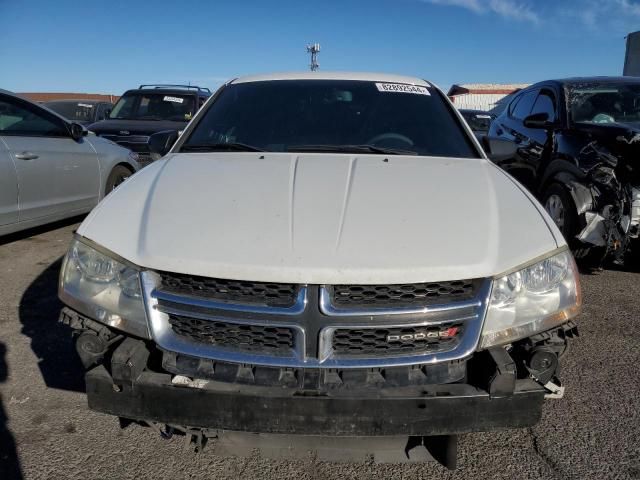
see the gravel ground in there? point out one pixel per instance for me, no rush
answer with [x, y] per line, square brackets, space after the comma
[46, 430]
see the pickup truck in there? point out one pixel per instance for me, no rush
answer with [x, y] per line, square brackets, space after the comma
[322, 254]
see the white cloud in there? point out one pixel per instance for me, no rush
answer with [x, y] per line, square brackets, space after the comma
[610, 16]
[512, 9]
[474, 5]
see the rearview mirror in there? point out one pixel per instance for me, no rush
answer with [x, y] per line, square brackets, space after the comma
[77, 131]
[499, 149]
[160, 143]
[538, 120]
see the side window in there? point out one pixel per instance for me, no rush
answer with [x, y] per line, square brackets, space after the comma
[100, 108]
[545, 103]
[19, 119]
[512, 105]
[524, 105]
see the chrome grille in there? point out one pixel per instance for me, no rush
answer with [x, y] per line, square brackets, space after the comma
[233, 291]
[289, 325]
[236, 336]
[410, 294]
[410, 340]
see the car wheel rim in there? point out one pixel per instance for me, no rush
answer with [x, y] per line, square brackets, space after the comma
[555, 209]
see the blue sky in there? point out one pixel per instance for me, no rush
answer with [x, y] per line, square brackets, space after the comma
[109, 46]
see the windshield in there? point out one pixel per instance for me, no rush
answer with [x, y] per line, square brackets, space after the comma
[479, 122]
[73, 111]
[604, 103]
[332, 115]
[154, 106]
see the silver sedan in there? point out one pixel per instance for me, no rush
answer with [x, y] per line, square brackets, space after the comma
[52, 169]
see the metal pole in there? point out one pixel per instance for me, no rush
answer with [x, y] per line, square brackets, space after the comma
[314, 50]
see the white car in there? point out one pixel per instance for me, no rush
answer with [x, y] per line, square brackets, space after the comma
[322, 254]
[51, 168]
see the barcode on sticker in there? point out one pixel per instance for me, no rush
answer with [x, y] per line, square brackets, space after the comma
[173, 99]
[402, 88]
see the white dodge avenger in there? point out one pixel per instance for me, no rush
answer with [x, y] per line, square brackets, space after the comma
[326, 254]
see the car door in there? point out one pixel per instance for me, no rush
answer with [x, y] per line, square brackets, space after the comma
[509, 126]
[8, 186]
[540, 139]
[56, 174]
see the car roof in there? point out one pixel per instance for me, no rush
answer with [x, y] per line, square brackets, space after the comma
[581, 80]
[322, 75]
[168, 90]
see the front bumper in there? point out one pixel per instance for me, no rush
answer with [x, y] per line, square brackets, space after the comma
[431, 410]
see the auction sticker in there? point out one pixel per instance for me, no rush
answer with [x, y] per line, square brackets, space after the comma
[402, 88]
[173, 99]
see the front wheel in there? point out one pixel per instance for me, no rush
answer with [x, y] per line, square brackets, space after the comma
[117, 176]
[559, 204]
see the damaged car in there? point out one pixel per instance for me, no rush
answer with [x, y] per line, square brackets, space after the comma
[299, 262]
[576, 144]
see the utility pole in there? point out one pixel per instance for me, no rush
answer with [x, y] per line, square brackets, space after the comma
[314, 50]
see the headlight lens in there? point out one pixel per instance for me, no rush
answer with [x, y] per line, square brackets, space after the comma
[531, 300]
[103, 288]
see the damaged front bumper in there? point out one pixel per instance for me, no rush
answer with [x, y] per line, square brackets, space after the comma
[134, 381]
[436, 410]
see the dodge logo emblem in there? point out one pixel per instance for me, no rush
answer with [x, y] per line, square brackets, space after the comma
[412, 337]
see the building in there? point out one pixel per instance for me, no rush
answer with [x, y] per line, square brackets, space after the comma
[632, 57]
[47, 97]
[481, 96]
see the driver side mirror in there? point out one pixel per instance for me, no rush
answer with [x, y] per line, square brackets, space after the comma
[160, 143]
[77, 131]
[538, 120]
[499, 149]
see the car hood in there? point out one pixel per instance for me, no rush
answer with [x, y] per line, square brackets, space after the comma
[323, 218]
[134, 127]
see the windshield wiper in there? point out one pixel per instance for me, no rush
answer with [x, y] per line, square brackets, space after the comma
[220, 147]
[350, 149]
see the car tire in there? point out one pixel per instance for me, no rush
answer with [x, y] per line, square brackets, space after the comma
[117, 176]
[559, 204]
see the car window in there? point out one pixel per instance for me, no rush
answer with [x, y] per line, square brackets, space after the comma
[545, 103]
[524, 105]
[100, 111]
[281, 115]
[154, 106]
[478, 121]
[597, 102]
[75, 111]
[20, 119]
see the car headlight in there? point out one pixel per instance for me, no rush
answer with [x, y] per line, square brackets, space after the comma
[532, 299]
[94, 283]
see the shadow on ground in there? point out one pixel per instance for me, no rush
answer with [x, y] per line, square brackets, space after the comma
[9, 462]
[50, 341]
[32, 232]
